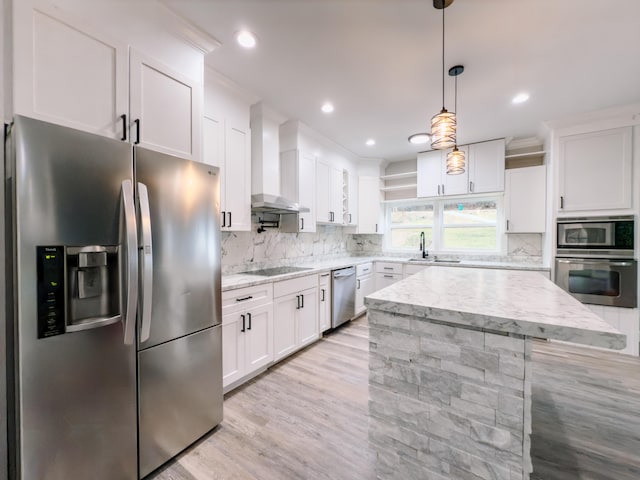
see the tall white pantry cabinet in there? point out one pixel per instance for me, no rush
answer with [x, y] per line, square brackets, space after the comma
[77, 65]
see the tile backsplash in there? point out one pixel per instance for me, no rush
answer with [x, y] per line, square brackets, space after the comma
[242, 251]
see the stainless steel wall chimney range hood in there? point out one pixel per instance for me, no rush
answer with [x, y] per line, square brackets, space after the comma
[266, 203]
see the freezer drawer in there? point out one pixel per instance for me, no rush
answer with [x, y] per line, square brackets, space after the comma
[180, 395]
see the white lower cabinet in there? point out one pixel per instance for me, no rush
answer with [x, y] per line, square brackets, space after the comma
[364, 285]
[247, 332]
[295, 315]
[388, 273]
[324, 302]
[384, 280]
[412, 269]
[624, 319]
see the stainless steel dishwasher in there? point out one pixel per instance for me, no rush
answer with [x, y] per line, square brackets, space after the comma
[343, 291]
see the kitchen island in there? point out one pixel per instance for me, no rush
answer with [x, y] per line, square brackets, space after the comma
[450, 369]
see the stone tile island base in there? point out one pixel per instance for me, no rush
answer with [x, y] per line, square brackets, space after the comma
[448, 401]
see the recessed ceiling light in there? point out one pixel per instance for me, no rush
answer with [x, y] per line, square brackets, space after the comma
[327, 107]
[419, 138]
[246, 39]
[370, 143]
[520, 98]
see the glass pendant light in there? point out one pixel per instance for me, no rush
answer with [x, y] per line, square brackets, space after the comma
[455, 159]
[443, 125]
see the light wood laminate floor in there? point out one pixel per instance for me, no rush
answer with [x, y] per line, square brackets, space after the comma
[306, 418]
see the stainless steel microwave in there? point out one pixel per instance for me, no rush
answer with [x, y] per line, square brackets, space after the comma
[602, 237]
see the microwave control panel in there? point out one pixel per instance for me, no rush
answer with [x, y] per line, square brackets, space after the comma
[51, 297]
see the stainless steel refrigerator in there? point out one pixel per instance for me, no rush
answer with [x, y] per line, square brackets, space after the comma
[116, 351]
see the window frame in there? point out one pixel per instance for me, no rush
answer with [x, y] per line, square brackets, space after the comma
[389, 228]
[438, 229]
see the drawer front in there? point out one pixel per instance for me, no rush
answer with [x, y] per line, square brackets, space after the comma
[388, 267]
[294, 285]
[324, 279]
[364, 269]
[411, 269]
[246, 298]
[386, 279]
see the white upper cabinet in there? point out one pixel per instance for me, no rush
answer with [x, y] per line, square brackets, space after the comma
[486, 166]
[322, 193]
[336, 195]
[456, 184]
[429, 173]
[525, 195]
[165, 108]
[329, 191]
[227, 145]
[595, 170]
[370, 218]
[484, 171]
[297, 183]
[351, 196]
[67, 73]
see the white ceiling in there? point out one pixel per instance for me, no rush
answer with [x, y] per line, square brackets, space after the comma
[379, 62]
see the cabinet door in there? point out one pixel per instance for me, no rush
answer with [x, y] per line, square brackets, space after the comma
[308, 328]
[525, 195]
[233, 348]
[455, 184]
[324, 303]
[359, 296]
[213, 144]
[323, 205]
[167, 106]
[307, 190]
[369, 210]
[486, 166]
[352, 200]
[213, 153]
[68, 73]
[259, 338]
[429, 173]
[336, 188]
[285, 312]
[367, 285]
[237, 179]
[595, 170]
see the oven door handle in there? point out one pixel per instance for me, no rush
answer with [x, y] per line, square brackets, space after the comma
[596, 262]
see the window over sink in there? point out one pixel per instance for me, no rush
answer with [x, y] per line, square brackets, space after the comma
[462, 225]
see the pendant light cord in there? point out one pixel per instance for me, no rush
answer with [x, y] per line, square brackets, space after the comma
[443, 9]
[455, 101]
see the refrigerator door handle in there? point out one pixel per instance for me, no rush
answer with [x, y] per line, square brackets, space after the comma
[146, 261]
[93, 323]
[131, 253]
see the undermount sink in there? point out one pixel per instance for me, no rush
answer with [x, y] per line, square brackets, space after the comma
[270, 272]
[433, 260]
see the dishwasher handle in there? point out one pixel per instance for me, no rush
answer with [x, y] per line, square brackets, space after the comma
[344, 272]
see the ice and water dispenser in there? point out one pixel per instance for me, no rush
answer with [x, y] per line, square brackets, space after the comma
[78, 288]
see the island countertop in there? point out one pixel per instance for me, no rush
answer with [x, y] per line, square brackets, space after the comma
[507, 301]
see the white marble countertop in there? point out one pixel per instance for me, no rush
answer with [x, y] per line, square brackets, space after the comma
[246, 279]
[511, 301]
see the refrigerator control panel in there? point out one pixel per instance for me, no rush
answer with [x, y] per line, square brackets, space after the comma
[51, 296]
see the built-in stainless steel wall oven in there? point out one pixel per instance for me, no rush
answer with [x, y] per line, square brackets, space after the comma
[595, 260]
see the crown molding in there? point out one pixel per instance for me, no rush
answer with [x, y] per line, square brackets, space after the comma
[188, 31]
